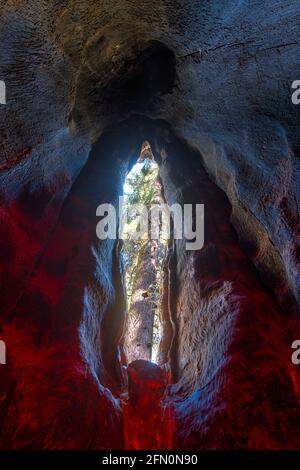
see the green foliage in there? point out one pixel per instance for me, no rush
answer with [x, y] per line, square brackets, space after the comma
[143, 187]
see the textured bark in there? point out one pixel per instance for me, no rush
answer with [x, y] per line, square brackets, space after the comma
[148, 422]
[63, 353]
[238, 386]
[140, 321]
[214, 75]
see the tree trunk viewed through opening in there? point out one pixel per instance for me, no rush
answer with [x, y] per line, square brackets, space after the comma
[139, 338]
[190, 342]
[143, 259]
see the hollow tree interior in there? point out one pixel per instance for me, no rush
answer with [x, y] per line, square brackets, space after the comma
[204, 87]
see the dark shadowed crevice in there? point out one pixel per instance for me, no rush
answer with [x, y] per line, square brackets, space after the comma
[143, 81]
[153, 74]
[139, 80]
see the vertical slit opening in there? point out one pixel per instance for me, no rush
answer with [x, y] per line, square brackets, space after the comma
[144, 252]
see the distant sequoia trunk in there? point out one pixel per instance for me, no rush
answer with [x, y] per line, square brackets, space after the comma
[139, 339]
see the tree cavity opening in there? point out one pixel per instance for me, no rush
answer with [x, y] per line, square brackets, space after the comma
[143, 259]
